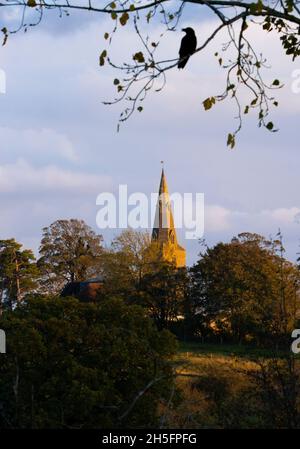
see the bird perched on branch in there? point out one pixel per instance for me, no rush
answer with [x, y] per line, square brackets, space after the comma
[187, 47]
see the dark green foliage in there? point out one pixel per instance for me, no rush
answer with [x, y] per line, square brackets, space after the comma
[74, 365]
[244, 290]
[162, 292]
[18, 272]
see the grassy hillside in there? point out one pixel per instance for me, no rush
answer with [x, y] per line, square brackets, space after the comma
[229, 386]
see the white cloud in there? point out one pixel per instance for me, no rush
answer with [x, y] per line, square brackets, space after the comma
[217, 218]
[55, 88]
[41, 143]
[23, 177]
[283, 215]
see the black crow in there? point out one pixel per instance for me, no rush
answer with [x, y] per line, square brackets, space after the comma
[187, 47]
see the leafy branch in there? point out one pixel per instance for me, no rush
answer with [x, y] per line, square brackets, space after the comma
[145, 72]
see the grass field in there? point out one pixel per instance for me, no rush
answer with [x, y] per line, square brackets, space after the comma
[210, 349]
[224, 372]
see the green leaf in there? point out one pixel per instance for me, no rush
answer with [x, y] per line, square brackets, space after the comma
[124, 18]
[259, 6]
[113, 5]
[231, 140]
[139, 57]
[140, 108]
[230, 87]
[267, 26]
[208, 103]
[102, 58]
[270, 126]
[114, 15]
[276, 83]
[106, 36]
[116, 81]
[289, 5]
[256, 7]
[31, 3]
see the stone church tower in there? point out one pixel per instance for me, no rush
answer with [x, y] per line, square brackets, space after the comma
[164, 232]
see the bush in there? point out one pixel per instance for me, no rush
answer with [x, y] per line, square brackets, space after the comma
[70, 364]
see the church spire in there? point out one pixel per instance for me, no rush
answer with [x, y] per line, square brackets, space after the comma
[163, 188]
[164, 232]
[163, 229]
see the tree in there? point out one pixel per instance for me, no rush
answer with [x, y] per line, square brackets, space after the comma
[245, 289]
[163, 293]
[135, 270]
[18, 272]
[146, 71]
[131, 256]
[70, 251]
[75, 365]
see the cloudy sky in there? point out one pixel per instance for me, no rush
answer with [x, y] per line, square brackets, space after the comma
[59, 147]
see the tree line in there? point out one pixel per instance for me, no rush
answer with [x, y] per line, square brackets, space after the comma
[110, 362]
[242, 291]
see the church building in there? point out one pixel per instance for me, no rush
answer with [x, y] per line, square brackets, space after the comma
[163, 235]
[164, 232]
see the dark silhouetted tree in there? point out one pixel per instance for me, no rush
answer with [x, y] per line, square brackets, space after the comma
[75, 365]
